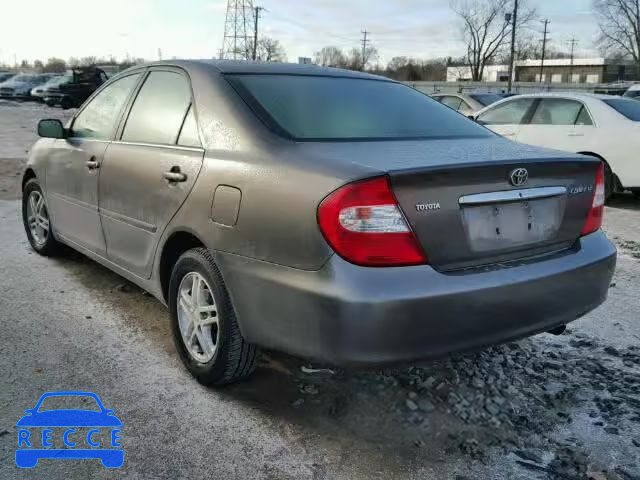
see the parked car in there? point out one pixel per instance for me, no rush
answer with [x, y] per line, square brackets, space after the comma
[4, 76]
[20, 86]
[84, 81]
[633, 92]
[326, 213]
[468, 103]
[41, 91]
[603, 126]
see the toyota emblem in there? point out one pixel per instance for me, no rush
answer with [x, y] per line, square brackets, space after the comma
[519, 177]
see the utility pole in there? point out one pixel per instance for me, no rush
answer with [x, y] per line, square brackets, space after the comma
[364, 48]
[512, 60]
[255, 31]
[544, 46]
[573, 42]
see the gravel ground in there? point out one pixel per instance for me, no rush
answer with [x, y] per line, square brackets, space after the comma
[549, 407]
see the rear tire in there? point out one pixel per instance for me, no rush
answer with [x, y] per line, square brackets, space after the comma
[215, 352]
[36, 220]
[609, 182]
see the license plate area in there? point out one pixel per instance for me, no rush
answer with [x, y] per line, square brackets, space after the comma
[503, 226]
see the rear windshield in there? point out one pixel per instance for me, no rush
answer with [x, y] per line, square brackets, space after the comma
[486, 98]
[626, 107]
[316, 108]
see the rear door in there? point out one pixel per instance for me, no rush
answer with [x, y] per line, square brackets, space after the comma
[505, 118]
[148, 173]
[559, 123]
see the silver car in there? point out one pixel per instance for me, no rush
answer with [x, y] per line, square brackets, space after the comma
[329, 214]
[467, 103]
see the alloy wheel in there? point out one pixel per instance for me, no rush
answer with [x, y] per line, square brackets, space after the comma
[37, 218]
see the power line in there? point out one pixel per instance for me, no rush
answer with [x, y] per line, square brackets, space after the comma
[364, 48]
[513, 44]
[573, 42]
[544, 45]
[255, 30]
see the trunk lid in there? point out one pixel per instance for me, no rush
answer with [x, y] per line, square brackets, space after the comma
[467, 216]
[459, 200]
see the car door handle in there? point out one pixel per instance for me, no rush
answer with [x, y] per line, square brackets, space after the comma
[92, 164]
[174, 175]
[576, 134]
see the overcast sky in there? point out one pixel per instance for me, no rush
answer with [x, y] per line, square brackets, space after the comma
[31, 29]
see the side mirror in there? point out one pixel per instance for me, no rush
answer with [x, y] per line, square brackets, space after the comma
[51, 128]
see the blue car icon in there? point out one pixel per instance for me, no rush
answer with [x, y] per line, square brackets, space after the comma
[33, 447]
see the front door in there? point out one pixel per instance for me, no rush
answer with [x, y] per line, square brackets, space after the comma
[147, 174]
[74, 166]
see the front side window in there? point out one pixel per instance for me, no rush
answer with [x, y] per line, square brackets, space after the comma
[318, 108]
[626, 107]
[159, 109]
[556, 111]
[97, 120]
[508, 113]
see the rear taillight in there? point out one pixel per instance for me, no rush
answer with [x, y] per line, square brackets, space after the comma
[594, 219]
[363, 223]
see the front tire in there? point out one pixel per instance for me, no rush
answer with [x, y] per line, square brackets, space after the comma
[36, 220]
[203, 322]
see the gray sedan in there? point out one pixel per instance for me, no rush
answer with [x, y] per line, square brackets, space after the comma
[329, 214]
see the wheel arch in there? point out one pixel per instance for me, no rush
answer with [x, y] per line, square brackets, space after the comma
[28, 174]
[176, 244]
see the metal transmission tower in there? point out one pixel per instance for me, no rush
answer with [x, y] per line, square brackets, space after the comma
[239, 30]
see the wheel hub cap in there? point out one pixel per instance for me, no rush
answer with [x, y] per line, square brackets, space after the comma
[37, 218]
[198, 317]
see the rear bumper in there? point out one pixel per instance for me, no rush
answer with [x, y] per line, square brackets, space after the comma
[347, 314]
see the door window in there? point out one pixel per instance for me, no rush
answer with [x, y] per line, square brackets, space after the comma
[556, 111]
[98, 119]
[159, 109]
[189, 134]
[452, 102]
[583, 117]
[508, 113]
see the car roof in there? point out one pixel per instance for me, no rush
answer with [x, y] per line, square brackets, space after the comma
[574, 95]
[255, 67]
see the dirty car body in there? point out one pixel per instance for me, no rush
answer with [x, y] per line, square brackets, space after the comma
[341, 231]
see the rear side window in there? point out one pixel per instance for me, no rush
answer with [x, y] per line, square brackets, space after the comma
[97, 120]
[159, 109]
[583, 117]
[451, 102]
[508, 113]
[556, 111]
[632, 93]
[316, 108]
[189, 134]
[628, 108]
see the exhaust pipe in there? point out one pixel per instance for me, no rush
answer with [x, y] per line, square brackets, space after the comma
[558, 330]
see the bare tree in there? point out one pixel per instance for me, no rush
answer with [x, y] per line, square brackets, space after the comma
[486, 29]
[270, 50]
[330, 57]
[619, 22]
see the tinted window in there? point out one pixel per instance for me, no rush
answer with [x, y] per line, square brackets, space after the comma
[632, 93]
[332, 108]
[486, 98]
[159, 109]
[451, 102]
[556, 111]
[508, 113]
[583, 117]
[628, 108]
[189, 134]
[98, 118]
